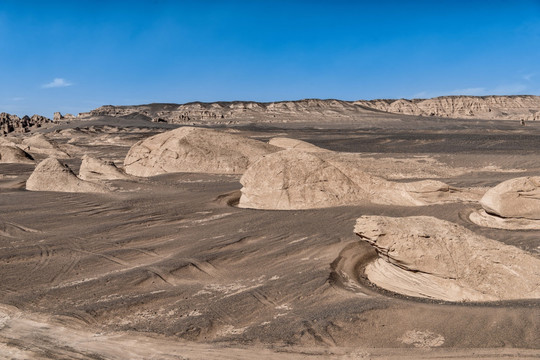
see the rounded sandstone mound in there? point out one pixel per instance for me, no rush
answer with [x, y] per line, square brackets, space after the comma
[12, 154]
[514, 198]
[40, 144]
[98, 169]
[426, 257]
[190, 149]
[52, 175]
[288, 143]
[294, 179]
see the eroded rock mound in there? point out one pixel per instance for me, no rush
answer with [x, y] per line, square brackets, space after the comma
[482, 218]
[514, 198]
[40, 144]
[12, 154]
[59, 117]
[98, 169]
[288, 143]
[190, 149]
[293, 179]
[426, 257]
[52, 175]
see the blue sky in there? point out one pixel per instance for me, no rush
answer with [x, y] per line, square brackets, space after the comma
[73, 56]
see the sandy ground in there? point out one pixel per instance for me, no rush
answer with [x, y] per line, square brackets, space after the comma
[166, 268]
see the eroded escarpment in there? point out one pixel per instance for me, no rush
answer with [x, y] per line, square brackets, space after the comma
[190, 149]
[296, 179]
[427, 257]
[526, 107]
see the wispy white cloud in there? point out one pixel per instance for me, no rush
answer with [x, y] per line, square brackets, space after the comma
[56, 83]
[528, 77]
[421, 95]
[505, 89]
[508, 89]
[477, 91]
[17, 98]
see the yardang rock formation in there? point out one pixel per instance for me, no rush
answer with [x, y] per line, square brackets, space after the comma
[190, 149]
[295, 179]
[426, 257]
[98, 169]
[52, 175]
[40, 144]
[513, 204]
[514, 198]
[12, 154]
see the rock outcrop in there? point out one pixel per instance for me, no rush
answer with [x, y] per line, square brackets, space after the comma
[426, 257]
[514, 198]
[58, 117]
[288, 143]
[190, 149]
[98, 169]
[482, 218]
[512, 205]
[294, 179]
[40, 144]
[12, 154]
[12, 123]
[52, 175]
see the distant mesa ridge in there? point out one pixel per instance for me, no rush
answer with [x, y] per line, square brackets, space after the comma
[515, 107]
[511, 107]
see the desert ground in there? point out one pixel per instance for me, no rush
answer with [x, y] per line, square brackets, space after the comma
[168, 266]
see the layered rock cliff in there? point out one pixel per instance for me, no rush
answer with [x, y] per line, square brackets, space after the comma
[522, 107]
[518, 107]
[237, 110]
